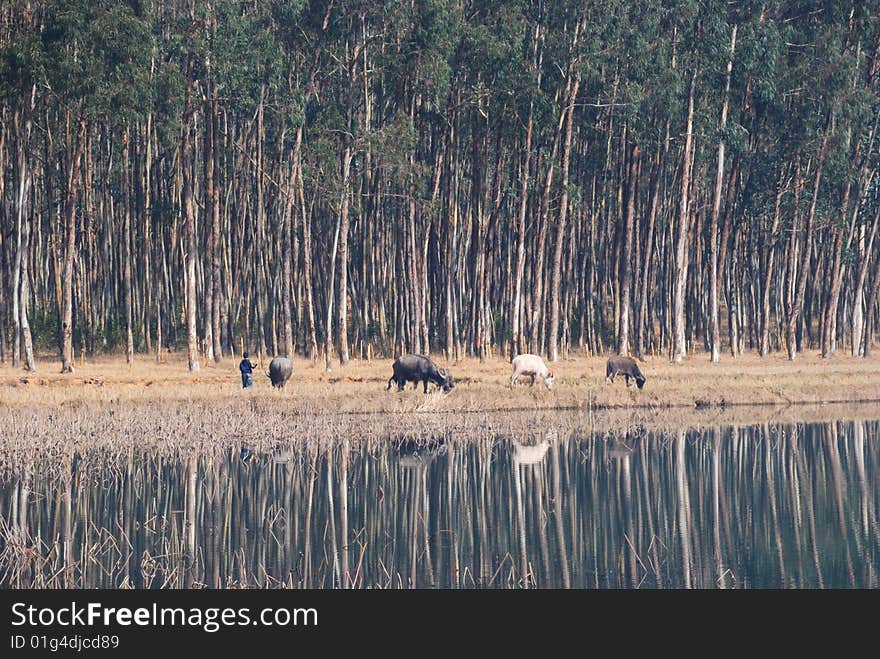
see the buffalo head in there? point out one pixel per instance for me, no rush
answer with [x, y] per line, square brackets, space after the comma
[447, 379]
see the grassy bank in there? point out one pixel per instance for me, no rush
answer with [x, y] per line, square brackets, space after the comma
[359, 387]
[101, 434]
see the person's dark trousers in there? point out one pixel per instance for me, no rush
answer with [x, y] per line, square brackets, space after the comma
[247, 380]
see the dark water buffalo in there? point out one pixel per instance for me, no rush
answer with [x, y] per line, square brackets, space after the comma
[418, 368]
[625, 366]
[280, 370]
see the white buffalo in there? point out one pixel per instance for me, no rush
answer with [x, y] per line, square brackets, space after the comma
[531, 365]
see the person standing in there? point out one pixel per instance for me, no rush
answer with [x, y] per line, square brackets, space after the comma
[247, 372]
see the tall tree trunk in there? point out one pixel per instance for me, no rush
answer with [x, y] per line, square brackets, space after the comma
[715, 329]
[186, 163]
[5, 269]
[287, 259]
[411, 263]
[343, 258]
[540, 246]
[70, 252]
[328, 339]
[572, 88]
[343, 213]
[305, 215]
[450, 229]
[764, 343]
[726, 231]
[858, 323]
[803, 273]
[21, 290]
[307, 264]
[829, 338]
[159, 325]
[210, 197]
[516, 344]
[478, 232]
[625, 258]
[126, 238]
[212, 212]
[868, 339]
[679, 350]
[644, 319]
[27, 343]
[19, 221]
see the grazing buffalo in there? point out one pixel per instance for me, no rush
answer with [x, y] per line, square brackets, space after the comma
[418, 368]
[280, 370]
[533, 366]
[625, 366]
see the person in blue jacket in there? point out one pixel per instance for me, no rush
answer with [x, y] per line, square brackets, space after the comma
[247, 372]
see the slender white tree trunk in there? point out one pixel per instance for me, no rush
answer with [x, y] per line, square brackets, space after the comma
[716, 212]
[681, 248]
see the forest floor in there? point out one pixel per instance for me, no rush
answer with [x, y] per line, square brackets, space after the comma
[735, 390]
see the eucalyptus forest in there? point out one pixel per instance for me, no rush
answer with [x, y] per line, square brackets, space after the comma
[340, 179]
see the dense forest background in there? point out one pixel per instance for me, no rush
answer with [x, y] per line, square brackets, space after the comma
[345, 178]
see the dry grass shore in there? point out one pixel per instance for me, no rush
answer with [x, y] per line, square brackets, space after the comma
[106, 410]
[359, 387]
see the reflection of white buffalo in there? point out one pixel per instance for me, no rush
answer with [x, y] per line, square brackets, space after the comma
[281, 455]
[619, 448]
[416, 455]
[415, 460]
[534, 454]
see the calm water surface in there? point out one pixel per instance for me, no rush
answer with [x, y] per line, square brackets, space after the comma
[773, 506]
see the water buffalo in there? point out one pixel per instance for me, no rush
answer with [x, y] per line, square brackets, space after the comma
[419, 368]
[280, 370]
[531, 365]
[625, 366]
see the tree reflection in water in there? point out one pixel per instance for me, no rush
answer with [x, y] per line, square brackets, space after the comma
[727, 507]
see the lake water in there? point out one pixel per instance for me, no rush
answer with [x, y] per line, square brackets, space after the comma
[772, 506]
